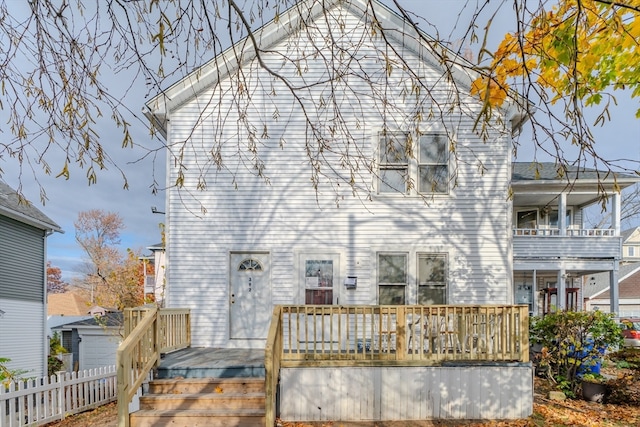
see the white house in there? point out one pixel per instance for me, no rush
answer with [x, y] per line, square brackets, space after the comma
[430, 220]
[23, 289]
[332, 159]
[554, 254]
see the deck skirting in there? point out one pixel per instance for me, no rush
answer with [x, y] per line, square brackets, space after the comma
[392, 393]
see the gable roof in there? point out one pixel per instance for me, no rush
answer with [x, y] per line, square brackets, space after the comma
[396, 27]
[626, 234]
[20, 210]
[628, 282]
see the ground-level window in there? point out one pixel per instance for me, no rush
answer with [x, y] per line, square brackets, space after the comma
[432, 279]
[392, 278]
[318, 281]
[632, 251]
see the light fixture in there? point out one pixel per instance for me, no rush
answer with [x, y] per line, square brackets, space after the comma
[1, 313]
[156, 211]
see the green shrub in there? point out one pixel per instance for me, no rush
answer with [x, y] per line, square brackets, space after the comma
[572, 342]
[8, 375]
[55, 348]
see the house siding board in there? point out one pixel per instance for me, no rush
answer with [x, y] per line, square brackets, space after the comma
[286, 215]
[554, 247]
[22, 336]
[355, 394]
[21, 261]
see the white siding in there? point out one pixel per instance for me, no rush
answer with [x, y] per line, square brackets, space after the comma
[97, 349]
[238, 211]
[22, 336]
[406, 393]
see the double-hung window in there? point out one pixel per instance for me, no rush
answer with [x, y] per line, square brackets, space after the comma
[432, 279]
[433, 163]
[392, 278]
[400, 165]
[394, 152]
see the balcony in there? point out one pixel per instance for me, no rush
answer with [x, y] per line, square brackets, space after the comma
[551, 243]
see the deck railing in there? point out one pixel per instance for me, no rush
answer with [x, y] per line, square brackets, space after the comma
[392, 336]
[149, 332]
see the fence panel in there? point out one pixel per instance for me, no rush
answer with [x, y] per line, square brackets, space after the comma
[36, 402]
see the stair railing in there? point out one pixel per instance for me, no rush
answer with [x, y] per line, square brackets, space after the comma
[272, 362]
[149, 333]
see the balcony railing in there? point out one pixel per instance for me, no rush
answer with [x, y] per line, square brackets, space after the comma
[571, 232]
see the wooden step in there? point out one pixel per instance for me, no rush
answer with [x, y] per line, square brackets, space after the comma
[198, 418]
[186, 401]
[213, 402]
[206, 385]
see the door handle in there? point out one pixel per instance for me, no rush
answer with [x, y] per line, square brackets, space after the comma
[233, 298]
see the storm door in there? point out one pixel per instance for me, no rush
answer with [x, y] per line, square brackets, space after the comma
[249, 295]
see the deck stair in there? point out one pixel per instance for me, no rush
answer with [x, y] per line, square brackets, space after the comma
[205, 387]
[202, 402]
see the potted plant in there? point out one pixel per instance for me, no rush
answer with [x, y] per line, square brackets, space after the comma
[594, 387]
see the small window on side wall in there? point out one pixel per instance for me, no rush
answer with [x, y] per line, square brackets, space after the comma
[392, 278]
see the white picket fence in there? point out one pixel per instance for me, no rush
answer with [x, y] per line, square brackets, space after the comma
[36, 402]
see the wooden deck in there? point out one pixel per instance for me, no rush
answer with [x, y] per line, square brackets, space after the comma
[202, 362]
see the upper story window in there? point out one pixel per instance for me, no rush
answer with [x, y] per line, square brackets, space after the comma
[553, 219]
[401, 163]
[433, 164]
[527, 219]
[395, 151]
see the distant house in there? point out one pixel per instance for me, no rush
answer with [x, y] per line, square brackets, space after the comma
[554, 254]
[93, 341]
[631, 245]
[67, 304]
[597, 289]
[23, 314]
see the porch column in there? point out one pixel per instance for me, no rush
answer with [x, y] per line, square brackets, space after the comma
[561, 298]
[615, 213]
[562, 214]
[614, 303]
[536, 297]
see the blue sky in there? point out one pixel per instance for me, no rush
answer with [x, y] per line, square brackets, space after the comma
[618, 139]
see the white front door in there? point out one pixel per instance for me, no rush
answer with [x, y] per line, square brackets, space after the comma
[250, 295]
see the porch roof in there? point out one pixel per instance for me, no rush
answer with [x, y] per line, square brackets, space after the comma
[540, 183]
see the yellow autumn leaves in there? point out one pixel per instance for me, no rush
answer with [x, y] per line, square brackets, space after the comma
[577, 50]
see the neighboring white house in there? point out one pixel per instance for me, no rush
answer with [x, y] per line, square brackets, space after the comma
[154, 285]
[433, 226]
[553, 252]
[23, 312]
